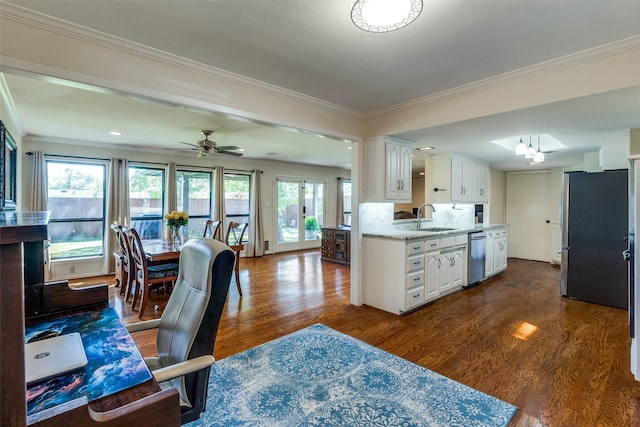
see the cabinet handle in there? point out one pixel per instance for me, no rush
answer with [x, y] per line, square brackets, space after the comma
[416, 262]
[453, 262]
[439, 262]
[401, 185]
[398, 185]
[416, 279]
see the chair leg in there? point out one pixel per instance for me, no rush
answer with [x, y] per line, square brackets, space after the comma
[143, 300]
[237, 269]
[135, 292]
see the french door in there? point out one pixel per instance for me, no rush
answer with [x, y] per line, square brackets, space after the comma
[299, 213]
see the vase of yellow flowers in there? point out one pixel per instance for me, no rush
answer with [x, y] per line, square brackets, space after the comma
[175, 220]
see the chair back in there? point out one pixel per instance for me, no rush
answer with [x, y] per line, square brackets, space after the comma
[138, 256]
[211, 229]
[189, 323]
[235, 233]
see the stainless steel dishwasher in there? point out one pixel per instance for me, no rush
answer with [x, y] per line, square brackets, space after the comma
[477, 255]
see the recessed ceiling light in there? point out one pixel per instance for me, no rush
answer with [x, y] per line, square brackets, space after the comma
[115, 133]
[424, 148]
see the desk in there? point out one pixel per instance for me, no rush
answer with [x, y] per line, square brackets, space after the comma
[114, 362]
[142, 405]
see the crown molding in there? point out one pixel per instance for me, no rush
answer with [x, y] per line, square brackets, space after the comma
[11, 106]
[571, 60]
[68, 29]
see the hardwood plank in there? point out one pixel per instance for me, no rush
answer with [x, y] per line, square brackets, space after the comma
[562, 362]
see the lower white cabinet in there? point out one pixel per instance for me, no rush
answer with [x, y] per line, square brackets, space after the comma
[496, 255]
[402, 275]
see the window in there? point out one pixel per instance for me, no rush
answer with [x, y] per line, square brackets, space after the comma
[194, 197]
[237, 200]
[76, 199]
[146, 200]
[346, 200]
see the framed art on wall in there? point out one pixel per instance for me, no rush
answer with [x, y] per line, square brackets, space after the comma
[8, 157]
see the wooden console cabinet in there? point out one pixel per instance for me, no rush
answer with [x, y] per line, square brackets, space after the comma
[336, 244]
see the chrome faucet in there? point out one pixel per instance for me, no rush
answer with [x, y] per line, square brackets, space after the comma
[418, 213]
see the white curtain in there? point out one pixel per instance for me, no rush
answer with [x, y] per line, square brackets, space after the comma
[340, 204]
[171, 199]
[38, 201]
[117, 208]
[256, 245]
[218, 204]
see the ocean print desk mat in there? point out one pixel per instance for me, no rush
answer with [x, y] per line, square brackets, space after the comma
[113, 361]
[321, 377]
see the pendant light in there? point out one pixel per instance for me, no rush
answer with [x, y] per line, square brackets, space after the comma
[539, 156]
[521, 148]
[530, 151]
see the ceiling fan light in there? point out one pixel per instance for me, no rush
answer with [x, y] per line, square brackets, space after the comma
[381, 16]
[521, 148]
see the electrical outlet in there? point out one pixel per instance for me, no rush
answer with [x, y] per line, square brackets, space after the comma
[266, 245]
[72, 269]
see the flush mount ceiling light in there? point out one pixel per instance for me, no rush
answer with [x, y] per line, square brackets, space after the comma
[382, 16]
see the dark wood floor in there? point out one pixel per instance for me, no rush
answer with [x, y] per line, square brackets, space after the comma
[562, 362]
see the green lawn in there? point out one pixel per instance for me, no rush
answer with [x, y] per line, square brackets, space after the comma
[75, 249]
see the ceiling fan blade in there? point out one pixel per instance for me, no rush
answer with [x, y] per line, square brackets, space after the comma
[186, 143]
[228, 148]
[230, 153]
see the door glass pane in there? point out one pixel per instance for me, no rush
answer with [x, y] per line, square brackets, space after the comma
[314, 210]
[288, 211]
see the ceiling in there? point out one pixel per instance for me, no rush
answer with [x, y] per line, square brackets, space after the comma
[311, 47]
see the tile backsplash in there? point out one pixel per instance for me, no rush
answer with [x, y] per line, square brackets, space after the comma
[379, 217]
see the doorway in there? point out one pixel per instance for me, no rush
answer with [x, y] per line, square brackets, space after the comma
[299, 213]
[529, 198]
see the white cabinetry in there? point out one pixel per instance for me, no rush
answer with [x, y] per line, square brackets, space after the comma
[496, 256]
[402, 275]
[387, 170]
[460, 179]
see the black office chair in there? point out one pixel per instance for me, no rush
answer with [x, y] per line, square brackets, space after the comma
[189, 324]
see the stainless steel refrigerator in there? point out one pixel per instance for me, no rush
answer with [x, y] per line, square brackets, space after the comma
[594, 236]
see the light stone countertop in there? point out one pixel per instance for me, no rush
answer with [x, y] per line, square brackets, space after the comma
[408, 234]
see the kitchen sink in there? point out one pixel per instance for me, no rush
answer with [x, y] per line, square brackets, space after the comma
[435, 229]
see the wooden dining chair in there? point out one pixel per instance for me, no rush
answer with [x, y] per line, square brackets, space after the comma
[148, 277]
[127, 267]
[211, 229]
[233, 239]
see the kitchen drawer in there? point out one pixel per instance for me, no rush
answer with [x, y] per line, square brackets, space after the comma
[462, 239]
[415, 263]
[447, 242]
[432, 245]
[415, 297]
[415, 248]
[414, 279]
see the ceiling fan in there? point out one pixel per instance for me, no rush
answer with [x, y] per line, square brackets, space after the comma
[206, 145]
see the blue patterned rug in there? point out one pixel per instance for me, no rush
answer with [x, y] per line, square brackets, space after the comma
[320, 377]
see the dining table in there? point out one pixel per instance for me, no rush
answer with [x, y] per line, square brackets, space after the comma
[163, 250]
[159, 250]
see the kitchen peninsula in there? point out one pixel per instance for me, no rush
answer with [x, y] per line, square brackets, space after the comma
[408, 268]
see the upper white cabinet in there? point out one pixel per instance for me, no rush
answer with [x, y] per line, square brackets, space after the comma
[459, 179]
[387, 170]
